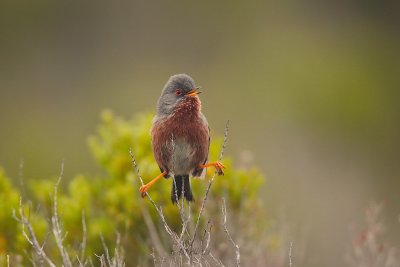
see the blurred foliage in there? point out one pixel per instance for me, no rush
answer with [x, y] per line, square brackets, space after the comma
[111, 202]
[8, 200]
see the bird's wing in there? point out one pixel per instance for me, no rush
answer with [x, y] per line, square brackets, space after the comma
[204, 172]
[208, 147]
[160, 148]
[203, 118]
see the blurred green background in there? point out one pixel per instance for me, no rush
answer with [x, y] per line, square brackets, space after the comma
[311, 89]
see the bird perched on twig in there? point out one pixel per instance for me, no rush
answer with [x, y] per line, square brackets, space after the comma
[180, 137]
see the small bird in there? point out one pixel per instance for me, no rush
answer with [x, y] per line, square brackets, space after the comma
[180, 137]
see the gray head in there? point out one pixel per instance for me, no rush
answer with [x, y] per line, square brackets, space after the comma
[177, 88]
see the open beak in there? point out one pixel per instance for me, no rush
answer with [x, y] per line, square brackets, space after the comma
[194, 92]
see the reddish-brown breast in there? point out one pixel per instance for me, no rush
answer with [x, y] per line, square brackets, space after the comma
[187, 129]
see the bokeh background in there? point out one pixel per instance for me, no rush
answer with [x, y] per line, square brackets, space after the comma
[311, 89]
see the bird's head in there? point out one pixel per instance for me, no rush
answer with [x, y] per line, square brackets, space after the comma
[179, 87]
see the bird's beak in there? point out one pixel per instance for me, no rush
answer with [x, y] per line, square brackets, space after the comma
[194, 92]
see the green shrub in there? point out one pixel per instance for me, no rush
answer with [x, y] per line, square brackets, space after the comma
[111, 202]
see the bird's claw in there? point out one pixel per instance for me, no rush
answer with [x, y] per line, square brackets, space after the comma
[218, 167]
[143, 190]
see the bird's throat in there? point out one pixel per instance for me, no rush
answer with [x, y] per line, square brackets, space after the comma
[188, 107]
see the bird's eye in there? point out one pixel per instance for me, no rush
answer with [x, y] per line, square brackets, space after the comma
[178, 92]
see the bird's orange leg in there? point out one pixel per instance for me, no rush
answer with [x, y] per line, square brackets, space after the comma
[217, 165]
[144, 188]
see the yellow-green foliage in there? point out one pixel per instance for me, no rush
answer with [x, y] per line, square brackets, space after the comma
[11, 237]
[111, 202]
[8, 199]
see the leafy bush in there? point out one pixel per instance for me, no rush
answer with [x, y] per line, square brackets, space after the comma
[111, 202]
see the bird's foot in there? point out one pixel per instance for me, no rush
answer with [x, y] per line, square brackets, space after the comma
[144, 188]
[217, 165]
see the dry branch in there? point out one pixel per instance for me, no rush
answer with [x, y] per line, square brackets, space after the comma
[203, 204]
[31, 236]
[224, 224]
[56, 224]
[84, 236]
[174, 236]
[42, 257]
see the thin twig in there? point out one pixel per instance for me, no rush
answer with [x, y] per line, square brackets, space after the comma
[80, 263]
[217, 261]
[84, 236]
[290, 254]
[32, 240]
[56, 224]
[203, 204]
[153, 232]
[207, 235]
[102, 259]
[105, 248]
[159, 211]
[118, 259]
[237, 251]
[153, 255]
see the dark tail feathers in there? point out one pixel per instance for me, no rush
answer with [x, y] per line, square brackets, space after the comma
[182, 186]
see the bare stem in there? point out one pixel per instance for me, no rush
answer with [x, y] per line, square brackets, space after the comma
[153, 232]
[31, 236]
[168, 229]
[56, 224]
[228, 234]
[84, 236]
[203, 204]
